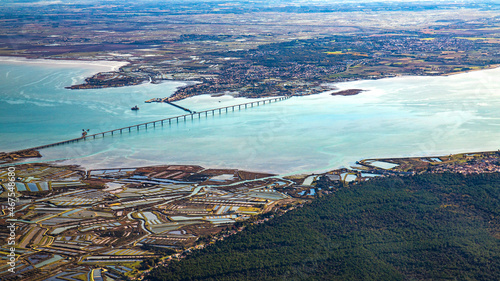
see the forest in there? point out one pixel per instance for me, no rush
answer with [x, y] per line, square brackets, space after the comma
[422, 227]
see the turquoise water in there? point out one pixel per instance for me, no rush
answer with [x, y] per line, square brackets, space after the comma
[404, 116]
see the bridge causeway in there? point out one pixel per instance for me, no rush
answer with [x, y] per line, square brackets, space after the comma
[162, 122]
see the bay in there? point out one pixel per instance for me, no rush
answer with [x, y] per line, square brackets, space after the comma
[394, 117]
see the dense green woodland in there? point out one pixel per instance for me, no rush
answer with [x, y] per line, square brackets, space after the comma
[424, 227]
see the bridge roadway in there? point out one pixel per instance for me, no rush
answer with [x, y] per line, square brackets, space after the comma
[161, 122]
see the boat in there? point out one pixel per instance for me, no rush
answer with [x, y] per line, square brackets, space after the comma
[135, 108]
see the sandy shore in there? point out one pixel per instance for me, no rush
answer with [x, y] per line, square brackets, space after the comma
[97, 66]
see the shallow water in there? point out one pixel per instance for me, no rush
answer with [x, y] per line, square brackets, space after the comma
[405, 116]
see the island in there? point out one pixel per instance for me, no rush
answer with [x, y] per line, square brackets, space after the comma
[349, 92]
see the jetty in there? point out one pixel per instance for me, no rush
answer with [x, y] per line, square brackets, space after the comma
[178, 106]
[162, 122]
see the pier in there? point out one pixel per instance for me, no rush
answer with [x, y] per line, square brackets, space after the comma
[180, 107]
[161, 122]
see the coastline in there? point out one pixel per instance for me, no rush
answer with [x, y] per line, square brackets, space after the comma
[404, 165]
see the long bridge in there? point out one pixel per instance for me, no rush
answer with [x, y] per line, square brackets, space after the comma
[162, 122]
